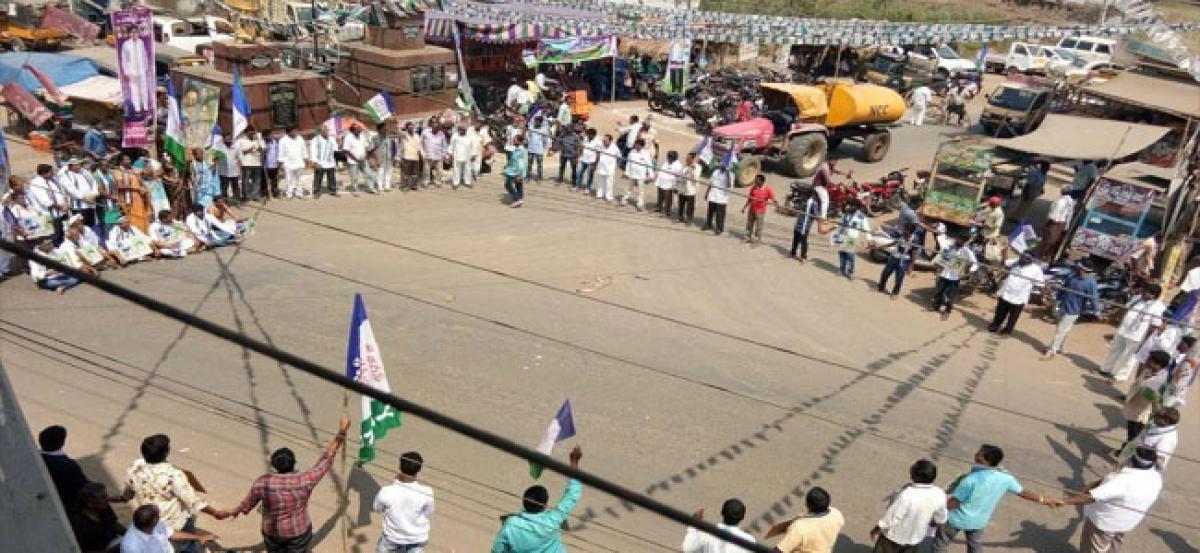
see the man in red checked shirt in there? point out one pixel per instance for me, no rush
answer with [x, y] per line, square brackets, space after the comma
[757, 200]
[286, 527]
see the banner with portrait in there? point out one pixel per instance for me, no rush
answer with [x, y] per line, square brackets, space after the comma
[677, 67]
[198, 105]
[134, 31]
[575, 49]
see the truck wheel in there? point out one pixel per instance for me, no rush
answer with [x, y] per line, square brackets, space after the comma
[16, 44]
[805, 155]
[748, 168]
[875, 146]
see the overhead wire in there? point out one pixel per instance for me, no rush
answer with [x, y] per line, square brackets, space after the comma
[404, 405]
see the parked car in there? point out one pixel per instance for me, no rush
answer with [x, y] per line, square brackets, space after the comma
[1015, 109]
[190, 34]
[1027, 58]
[940, 60]
[1079, 70]
[1089, 48]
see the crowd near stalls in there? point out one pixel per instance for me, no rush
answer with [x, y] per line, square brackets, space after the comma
[1069, 181]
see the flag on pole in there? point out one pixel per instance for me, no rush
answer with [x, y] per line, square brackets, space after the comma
[365, 364]
[380, 107]
[1019, 238]
[214, 138]
[173, 137]
[561, 427]
[981, 60]
[241, 108]
[704, 151]
[730, 160]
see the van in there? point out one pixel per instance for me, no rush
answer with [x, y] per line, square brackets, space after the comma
[1089, 48]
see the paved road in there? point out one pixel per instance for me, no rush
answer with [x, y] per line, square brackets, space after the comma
[698, 368]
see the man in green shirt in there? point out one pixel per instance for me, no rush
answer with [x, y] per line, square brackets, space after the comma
[536, 529]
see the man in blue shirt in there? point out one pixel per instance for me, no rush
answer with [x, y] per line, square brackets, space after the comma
[1076, 291]
[94, 142]
[973, 499]
[535, 529]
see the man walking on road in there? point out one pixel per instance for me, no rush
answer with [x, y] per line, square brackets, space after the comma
[920, 102]
[1014, 293]
[1114, 506]
[899, 263]
[1143, 317]
[606, 169]
[286, 526]
[732, 513]
[911, 511]
[974, 497]
[954, 262]
[406, 506]
[537, 529]
[1076, 291]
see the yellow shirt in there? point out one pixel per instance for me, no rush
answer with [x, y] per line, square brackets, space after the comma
[813, 534]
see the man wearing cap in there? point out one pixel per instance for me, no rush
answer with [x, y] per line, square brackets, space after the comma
[1114, 506]
[991, 219]
[1071, 298]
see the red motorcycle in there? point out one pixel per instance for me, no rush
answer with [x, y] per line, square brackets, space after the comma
[847, 195]
[889, 193]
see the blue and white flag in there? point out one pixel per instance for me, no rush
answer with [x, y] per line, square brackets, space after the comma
[561, 427]
[981, 60]
[380, 107]
[241, 108]
[731, 159]
[704, 151]
[1019, 238]
[214, 138]
[364, 363]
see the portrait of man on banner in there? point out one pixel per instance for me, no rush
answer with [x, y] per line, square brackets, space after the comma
[135, 65]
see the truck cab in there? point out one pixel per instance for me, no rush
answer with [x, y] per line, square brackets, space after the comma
[190, 34]
[940, 60]
[1015, 109]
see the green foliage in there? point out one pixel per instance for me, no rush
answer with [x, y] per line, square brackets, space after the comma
[890, 10]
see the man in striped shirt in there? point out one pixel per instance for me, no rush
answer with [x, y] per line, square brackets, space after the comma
[286, 526]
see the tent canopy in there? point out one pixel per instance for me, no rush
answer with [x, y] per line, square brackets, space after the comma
[1071, 137]
[61, 68]
[100, 88]
[1176, 97]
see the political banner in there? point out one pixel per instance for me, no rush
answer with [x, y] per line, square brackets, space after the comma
[57, 18]
[198, 108]
[135, 67]
[575, 49]
[26, 104]
[677, 67]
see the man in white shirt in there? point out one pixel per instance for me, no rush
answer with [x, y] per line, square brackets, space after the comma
[732, 513]
[250, 148]
[148, 534]
[462, 152]
[1056, 224]
[128, 244]
[1143, 316]
[592, 146]
[513, 96]
[406, 506]
[170, 238]
[480, 137]
[1114, 506]
[354, 143]
[718, 200]
[228, 168]
[1163, 435]
[1014, 293]
[919, 103]
[606, 168]
[955, 262]
[44, 194]
[639, 169]
[200, 224]
[905, 523]
[293, 156]
[320, 157]
[82, 190]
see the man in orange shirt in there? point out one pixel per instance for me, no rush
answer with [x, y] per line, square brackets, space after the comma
[757, 200]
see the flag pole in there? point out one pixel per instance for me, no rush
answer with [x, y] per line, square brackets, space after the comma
[346, 477]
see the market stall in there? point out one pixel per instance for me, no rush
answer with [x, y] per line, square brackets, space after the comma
[1126, 206]
[964, 172]
[1146, 98]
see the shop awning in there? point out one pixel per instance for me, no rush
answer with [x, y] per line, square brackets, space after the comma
[1176, 97]
[1071, 137]
[96, 89]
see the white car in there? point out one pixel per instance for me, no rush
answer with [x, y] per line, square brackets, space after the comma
[942, 60]
[1079, 69]
[1089, 48]
[1023, 57]
[189, 34]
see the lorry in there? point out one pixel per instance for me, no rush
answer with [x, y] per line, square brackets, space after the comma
[801, 123]
[21, 29]
[1015, 108]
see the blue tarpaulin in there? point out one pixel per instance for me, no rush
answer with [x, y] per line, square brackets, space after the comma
[63, 69]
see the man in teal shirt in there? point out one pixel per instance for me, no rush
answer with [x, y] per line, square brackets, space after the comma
[537, 530]
[974, 497]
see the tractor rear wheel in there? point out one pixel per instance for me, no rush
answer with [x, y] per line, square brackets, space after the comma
[748, 168]
[805, 155]
[875, 146]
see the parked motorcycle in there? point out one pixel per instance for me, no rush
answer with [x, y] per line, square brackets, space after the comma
[889, 193]
[663, 102]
